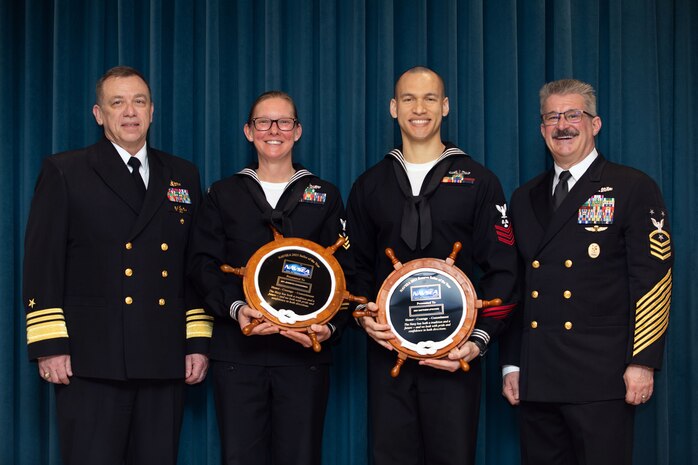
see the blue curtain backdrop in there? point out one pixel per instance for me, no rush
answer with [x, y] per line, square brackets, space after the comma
[206, 61]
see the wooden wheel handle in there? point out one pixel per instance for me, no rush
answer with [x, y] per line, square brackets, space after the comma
[355, 298]
[364, 312]
[313, 337]
[333, 248]
[229, 269]
[464, 365]
[489, 303]
[396, 369]
[253, 323]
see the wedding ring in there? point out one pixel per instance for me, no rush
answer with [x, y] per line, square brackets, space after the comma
[47, 375]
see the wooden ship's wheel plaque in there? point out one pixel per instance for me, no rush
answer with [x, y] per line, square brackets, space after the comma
[294, 283]
[430, 306]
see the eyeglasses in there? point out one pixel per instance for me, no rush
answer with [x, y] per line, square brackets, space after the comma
[284, 124]
[571, 116]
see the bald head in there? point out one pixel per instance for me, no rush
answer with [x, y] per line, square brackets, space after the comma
[419, 70]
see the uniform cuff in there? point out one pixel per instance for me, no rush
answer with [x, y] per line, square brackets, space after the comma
[481, 339]
[506, 369]
[235, 308]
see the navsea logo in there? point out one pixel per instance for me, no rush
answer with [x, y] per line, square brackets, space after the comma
[426, 292]
[297, 269]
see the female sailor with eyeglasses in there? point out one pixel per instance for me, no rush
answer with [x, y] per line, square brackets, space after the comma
[270, 388]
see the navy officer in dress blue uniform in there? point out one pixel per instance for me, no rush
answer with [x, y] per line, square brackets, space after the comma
[110, 319]
[419, 200]
[595, 243]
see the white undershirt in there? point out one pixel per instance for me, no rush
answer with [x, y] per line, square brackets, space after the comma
[273, 191]
[416, 172]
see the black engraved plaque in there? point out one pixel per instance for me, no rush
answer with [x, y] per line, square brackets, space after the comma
[294, 283]
[425, 310]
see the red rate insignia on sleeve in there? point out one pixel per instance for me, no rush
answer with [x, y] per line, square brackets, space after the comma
[505, 233]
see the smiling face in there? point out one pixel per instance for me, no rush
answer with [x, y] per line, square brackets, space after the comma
[273, 144]
[419, 106]
[569, 143]
[125, 110]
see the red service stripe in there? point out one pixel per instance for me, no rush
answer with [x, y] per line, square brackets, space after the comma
[495, 316]
[503, 307]
[499, 312]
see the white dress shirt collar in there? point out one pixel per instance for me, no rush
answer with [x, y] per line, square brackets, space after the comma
[142, 156]
[577, 171]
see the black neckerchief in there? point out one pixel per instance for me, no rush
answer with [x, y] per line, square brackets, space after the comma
[278, 217]
[416, 212]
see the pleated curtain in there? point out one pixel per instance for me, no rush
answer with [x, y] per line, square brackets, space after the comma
[207, 60]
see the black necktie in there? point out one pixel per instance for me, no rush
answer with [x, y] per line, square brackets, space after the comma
[135, 163]
[561, 189]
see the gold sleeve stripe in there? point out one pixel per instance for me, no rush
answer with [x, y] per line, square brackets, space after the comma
[196, 311]
[652, 314]
[45, 311]
[650, 338]
[661, 253]
[645, 316]
[40, 319]
[657, 319]
[199, 330]
[199, 324]
[47, 323]
[48, 330]
[663, 283]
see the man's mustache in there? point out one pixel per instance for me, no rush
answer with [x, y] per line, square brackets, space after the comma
[567, 132]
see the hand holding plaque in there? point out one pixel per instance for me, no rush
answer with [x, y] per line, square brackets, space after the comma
[430, 306]
[294, 283]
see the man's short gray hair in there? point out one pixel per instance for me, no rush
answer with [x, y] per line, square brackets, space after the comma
[566, 87]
